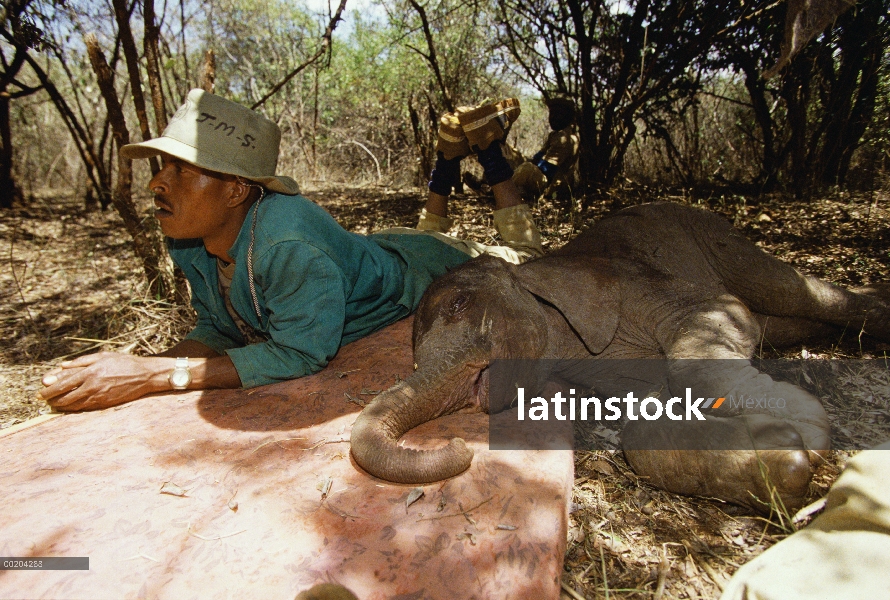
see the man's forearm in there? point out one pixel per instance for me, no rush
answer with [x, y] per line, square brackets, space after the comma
[210, 370]
[108, 378]
[214, 373]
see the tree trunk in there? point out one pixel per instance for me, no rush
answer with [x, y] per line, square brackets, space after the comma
[152, 64]
[614, 136]
[122, 15]
[853, 93]
[147, 247]
[99, 177]
[796, 93]
[208, 72]
[431, 57]
[423, 149]
[8, 189]
[587, 125]
[756, 86]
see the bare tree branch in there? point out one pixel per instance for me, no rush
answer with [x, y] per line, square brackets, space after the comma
[122, 16]
[148, 250]
[82, 141]
[208, 74]
[150, 43]
[324, 47]
[431, 57]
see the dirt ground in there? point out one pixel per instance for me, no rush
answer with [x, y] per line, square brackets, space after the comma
[69, 285]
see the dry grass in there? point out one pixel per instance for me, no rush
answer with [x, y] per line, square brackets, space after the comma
[70, 286]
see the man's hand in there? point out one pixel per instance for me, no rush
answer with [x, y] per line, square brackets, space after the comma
[109, 378]
[104, 379]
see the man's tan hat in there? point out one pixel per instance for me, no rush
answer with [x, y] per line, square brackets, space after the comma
[223, 136]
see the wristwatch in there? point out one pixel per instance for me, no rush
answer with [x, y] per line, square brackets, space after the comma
[181, 376]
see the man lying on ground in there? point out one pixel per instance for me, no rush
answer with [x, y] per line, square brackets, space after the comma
[278, 286]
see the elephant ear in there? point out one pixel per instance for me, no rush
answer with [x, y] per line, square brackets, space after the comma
[583, 289]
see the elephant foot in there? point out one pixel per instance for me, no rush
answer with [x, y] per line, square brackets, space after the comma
[326, 591]
[756, 461]
[877, 318]
[763, 481]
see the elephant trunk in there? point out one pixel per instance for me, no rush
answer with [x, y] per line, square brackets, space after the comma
[376, 433]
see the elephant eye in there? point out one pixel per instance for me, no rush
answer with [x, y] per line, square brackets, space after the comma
[458, 304]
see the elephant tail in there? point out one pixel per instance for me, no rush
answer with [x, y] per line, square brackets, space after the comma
[376, 432]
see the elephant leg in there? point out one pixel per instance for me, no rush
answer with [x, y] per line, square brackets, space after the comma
[771, 287]
[740, 451]
[709, 352]
[784, 332]
[774, 475]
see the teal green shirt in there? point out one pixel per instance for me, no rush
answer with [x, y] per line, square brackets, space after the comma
[319, 287]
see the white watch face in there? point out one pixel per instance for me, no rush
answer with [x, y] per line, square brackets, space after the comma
[180, 378]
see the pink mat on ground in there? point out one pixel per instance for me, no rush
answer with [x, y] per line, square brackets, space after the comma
[253, 522]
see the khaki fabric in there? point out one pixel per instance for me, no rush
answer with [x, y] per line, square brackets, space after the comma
[514, 224]
[517, 228]
[530, 180]
[451, 140]
[843, 553]
[469, 247]
[561, 147]
[489, 122]
[512, 155]
[223, 136]
[433, 222]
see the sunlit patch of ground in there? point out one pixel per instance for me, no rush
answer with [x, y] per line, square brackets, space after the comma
[69, 285]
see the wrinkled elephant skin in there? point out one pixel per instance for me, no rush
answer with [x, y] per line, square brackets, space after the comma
[652, 281]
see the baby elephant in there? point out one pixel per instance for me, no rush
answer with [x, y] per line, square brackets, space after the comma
[653, 281]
